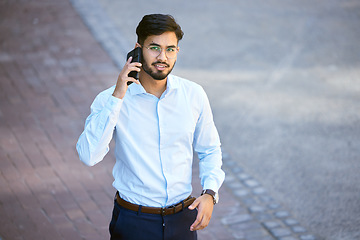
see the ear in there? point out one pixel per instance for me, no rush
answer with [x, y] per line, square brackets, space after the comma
[137, 45]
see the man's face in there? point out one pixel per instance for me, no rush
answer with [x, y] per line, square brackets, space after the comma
[158, 56]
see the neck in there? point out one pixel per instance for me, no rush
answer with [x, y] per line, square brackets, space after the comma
[152, 86]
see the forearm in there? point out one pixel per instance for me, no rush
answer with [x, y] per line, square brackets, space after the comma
[93, 144]
[211, 174]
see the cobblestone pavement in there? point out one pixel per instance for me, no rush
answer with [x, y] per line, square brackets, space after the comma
[51, 68]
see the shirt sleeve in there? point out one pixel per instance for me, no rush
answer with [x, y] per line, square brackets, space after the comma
[93, 143]
[207, 145]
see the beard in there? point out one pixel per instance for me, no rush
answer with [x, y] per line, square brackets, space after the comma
[155, 74]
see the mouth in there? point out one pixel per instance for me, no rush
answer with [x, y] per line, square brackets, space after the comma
[160, 66]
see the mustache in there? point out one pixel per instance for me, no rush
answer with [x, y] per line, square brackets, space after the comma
[158, 62]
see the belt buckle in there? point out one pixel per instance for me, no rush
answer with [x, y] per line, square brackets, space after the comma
[172, 207]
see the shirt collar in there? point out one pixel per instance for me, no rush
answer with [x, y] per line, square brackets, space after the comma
[136, 89]
[172, 83]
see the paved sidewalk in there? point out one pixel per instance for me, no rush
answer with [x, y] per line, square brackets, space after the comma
[51, 68]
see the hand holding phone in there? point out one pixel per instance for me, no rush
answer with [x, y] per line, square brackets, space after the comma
[136, 57]
[121, 87]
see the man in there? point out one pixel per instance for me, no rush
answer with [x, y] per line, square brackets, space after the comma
[156, 123]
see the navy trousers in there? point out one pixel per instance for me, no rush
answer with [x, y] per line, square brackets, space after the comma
[129, 225]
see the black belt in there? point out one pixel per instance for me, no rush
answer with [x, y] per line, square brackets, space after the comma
[153, 210]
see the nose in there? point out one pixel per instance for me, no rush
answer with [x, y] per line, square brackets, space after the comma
[162, 55]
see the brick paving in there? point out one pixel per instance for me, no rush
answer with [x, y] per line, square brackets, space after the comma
[51, 68]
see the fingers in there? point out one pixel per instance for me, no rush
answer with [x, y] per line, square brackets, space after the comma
[195, 225]
[205, 208]
[129, 60]
[123, 78]
[129, 67]
[132, 64]
[194, 204]
[129, 63]
[201, 222]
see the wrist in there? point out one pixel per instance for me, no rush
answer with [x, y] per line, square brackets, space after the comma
[212, 193]
[118, 93]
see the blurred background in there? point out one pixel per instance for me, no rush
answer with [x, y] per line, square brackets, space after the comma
[283, 79]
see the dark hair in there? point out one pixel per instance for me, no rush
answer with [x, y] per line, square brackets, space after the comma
[157, 24]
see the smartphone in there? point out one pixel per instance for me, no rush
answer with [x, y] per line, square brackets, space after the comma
[136, 57]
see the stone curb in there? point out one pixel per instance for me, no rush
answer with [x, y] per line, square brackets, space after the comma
[261, 209]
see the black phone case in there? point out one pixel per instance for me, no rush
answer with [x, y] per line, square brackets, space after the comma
[136, 54]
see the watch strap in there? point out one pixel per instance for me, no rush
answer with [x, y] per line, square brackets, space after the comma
[211, 193]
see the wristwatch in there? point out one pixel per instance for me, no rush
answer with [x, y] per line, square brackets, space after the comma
[214, 195]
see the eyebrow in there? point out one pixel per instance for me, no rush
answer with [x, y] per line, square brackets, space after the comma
[158, 45]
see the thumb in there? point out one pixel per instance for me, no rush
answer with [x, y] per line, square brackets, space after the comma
[194, 205]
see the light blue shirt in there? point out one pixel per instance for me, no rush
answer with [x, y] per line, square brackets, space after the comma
[154, 141]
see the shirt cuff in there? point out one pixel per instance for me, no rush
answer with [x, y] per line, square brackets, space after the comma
[114, 104]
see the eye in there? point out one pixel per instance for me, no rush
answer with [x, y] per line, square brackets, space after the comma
[155, 48]
[170, 49]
